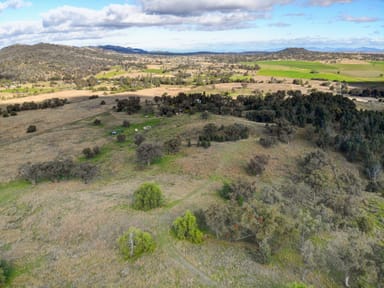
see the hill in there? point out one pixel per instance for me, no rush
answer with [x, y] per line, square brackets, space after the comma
[43, 62]
[300, 212]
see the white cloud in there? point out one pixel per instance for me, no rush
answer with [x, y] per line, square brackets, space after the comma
[279, 24]
[182, 7]
[327, 2]
[14, 29]
[363, 19]
[125, 16]
[14, 4]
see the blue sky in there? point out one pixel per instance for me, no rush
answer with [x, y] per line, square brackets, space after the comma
[179, 25]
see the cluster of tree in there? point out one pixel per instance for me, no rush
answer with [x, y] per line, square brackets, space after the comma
[57, 170]
[367, 92]
[320, 200]
[12, 109]
[233, 132]
[358, 134]
[129, 105]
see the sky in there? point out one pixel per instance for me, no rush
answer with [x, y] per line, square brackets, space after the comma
[195, 25]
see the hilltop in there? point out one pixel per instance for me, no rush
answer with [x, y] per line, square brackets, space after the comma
[43, 62]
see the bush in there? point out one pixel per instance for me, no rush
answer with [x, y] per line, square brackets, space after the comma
[238, 191]
[138, 139]
[97, 122]
[5, 272]
[148, 152]
[135, 242]
[126, 124]
[56, 170]
[185, 228]
[147, 197]
[256, 165]
[268, 141]
[90, 153]
[102, 102]
[31, 129]
[121, 138]
[204, 115]
[232, 132]
[172, 145]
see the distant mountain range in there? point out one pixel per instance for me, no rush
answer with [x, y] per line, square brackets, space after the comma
[129, 50]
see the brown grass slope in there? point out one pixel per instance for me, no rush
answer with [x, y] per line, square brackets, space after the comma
[47, 61]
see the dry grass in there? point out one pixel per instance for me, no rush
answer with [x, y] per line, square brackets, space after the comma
[64, 234]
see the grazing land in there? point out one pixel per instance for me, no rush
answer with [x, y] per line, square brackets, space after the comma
[283, 174]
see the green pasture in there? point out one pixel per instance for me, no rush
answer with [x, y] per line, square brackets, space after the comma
[113, 72]
[372, 71]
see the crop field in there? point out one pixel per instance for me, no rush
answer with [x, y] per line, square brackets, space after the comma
[371, 71]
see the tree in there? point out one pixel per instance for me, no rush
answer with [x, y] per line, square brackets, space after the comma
[147, 196]
[148, 152]
[256, 165]
[185, 228]
[347, 254]
[135, 242]
[138, 139]
[121, 138]
[378, 260]
[31, 129]
[172, 145]
[238, 191]
[126, 124]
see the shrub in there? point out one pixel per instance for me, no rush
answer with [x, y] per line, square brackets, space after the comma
[135, 242]
[268, 141]
[238, 191]
[138, 139]
[172, 145]
[148, 152]
[5, 272]
[102, 102]
[31, 129]
[126, 124]
[204, 115]
[91, 152]
[185, 228]
[85, 171]
[56, 170]
[97, 122]
[147, 197]
[232, 132]
[256, 165]
[121, 138]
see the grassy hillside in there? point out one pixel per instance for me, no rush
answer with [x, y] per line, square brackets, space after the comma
[46, 62]
[65, 233]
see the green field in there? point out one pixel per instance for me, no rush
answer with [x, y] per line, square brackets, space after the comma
[113, 72]
[372, 71]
